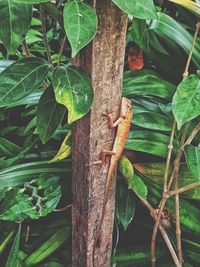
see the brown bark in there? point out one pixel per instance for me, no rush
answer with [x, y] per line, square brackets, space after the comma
[103, 60]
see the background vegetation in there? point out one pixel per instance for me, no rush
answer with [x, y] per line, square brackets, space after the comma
[38, 106]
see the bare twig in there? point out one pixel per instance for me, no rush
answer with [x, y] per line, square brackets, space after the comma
[170, 147]
[162, 230]
[44, 33]
[182, 189]
[61, 50]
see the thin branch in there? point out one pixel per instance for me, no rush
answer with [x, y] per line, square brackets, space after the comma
[162, 230]
[182, 189]
[44, 33]
[61, 50]
[170, 147]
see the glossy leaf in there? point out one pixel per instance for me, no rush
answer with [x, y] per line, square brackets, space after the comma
[134, 182]
[65, 149]
[13, 260]
[14, 24]
[168, 28]
[149, 142]
[139, 33]
[192, 154]
[49, 115]
[80, 23]
[190, 5]
[21, 78]
[125, 206]
[74, 90]
[185, 104]
[151, 120]
[146, 83]
[142, 9]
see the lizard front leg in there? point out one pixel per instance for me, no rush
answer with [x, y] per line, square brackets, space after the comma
[111, 123]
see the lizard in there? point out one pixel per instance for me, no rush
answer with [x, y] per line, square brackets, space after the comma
[123, 123]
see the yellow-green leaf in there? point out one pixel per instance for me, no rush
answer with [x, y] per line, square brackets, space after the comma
[65, 149]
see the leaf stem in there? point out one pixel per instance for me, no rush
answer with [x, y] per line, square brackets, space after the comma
[61, 50]
[44, 33]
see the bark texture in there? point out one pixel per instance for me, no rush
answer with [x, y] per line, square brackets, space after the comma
[103, 60]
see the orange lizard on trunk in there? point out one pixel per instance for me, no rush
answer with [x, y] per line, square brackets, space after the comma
[124, 124]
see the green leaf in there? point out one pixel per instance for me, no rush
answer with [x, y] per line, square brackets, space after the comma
[125, 206]
[146, 83]
[31, 1]
[65, 149]
[152, 120]
[134, 182]
[14, 24]
[48, 247]
[8, 149]
[168, 28]
[190, 5]
[49, 115]
[192, 154]
[13, 255]
[80, 23]
[74, 90]
[149, 142]
[185, 104]
[142, 9]
[139, 33]
[21, 78]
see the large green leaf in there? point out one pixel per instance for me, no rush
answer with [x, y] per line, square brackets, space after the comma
[167, 27]
[139, 33]
[185, 104]
[21, 78]
[152, 120]
[80, 23]
[74, 90]
[49, 115]
[149, 142]
[192, 154]
[190, 5]
[13, 260]
[143, 9]
[14, 24]
[146, 83]
[125, 206]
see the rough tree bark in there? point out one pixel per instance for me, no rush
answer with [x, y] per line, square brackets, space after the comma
[103, 59]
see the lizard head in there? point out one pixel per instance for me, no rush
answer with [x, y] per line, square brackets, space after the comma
[126, 107]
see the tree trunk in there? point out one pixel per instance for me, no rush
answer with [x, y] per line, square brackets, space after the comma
[103, 59]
